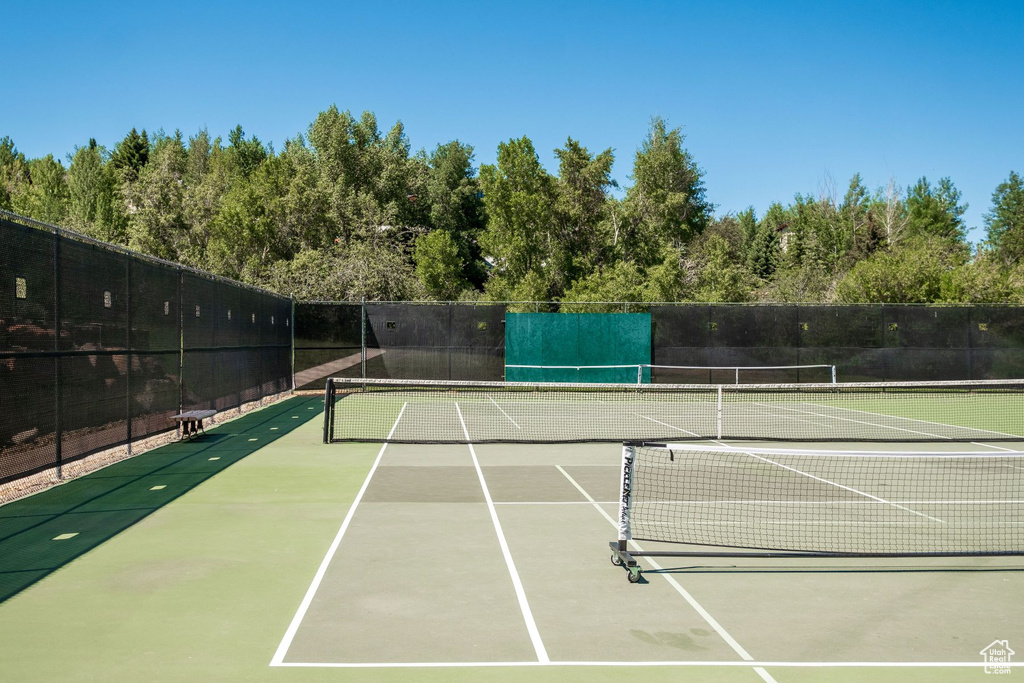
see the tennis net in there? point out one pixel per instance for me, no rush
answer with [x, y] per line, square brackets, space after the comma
[823, 502]
[480, 412]
[646, 373]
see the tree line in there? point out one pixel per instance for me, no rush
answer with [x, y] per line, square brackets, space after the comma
[347, 211]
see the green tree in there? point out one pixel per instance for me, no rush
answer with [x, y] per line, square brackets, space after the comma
[714, 274]
[365, 182]
[13, 173]
[206, 175]
[91, 185]
[982, 280]
[362, 270]
[747, 220]
[247, 155]
[131, 155]
[1004, 223]
[620, 281]
[312, 219]
[666, 205]
[916, 271]
[936, 211]
[817, 238]
[519, 197]
[581, 239]
[732, 230]
[439, 265]
[666, 280]
[156, 221]
[246, 238]
[45, 195]
[891, 209]
[456, 204]
[764, 252]
[858, 220]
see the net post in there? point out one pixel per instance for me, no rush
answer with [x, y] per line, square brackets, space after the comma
[737, 375]
[328, 409]
[833, 374]
[719, 411]
[625, 500]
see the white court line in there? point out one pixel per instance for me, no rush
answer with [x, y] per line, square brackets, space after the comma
[293, 627]
[552, 502]
[665, 424]
[842, 486]
[502, 412]
[751, 663]
[998, 448]
[524, 605]
[881, 415]
[875, 498]
[757, 414]
[848, 419]
[826, 481]
[914, 419]
[712, 622]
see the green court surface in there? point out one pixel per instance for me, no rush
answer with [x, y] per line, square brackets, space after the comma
[291, 560]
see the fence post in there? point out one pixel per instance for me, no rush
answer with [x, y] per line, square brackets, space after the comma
[128, 345]
[291, 299]
[362, 338]
[57, 411]
[181, 341]
[449, 339]
[970, 343]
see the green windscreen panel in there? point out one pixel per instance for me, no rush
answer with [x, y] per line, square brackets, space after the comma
[577, 342]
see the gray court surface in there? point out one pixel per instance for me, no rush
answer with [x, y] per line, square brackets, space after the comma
[498, 555]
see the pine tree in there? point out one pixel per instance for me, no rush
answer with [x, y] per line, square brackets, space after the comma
[1005, 222]
[131, 154]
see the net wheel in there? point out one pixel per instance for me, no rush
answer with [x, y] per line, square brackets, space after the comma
[616, 560]
[633, 578]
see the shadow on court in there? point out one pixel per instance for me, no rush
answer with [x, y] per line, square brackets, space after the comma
[42, 533]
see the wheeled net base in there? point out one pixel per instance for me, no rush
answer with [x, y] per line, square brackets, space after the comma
[623, 558]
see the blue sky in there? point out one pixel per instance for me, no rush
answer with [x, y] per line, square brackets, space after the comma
[774, 98]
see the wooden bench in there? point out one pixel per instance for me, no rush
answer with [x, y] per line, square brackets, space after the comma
[191, 422]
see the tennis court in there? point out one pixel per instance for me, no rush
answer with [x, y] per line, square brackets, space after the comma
[355, 561]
